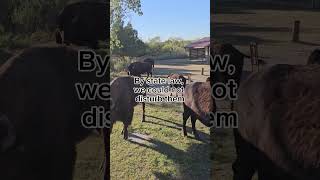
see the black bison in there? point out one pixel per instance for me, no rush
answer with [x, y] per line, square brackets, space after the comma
[123, 102]
[83, 23]
[279, 124]
[198, 104]
[149, 60]
[236, 59]
[314, 57]
[139, 68]
[40, 113]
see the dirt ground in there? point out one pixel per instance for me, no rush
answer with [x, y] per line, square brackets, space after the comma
[271, 28]
[183, 66]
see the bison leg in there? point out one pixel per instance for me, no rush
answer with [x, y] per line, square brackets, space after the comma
[127, 122]
[186, 114]
[125, 132]
[245, 163]
[143, 112]
[193, 122]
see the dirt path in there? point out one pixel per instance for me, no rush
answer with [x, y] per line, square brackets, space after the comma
[183, 66]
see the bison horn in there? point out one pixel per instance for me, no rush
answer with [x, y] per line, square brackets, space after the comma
[7, 139]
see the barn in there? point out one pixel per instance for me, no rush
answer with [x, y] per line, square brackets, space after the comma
[199, 49]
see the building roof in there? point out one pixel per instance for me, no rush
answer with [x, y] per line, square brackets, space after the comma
[201, 43]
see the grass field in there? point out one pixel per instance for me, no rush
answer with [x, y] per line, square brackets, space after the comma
[271, 27]
[157, 149]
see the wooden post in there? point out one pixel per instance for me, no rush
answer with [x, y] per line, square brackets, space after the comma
[202, 71]
[254, 55]
[296, 31]
[257, 56]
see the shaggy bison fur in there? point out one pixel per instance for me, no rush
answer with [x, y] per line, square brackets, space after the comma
[314, 57]
[40, 113]
[83, 23]
[198, 104]
[123, 102]
[139, 68]
[279, 124]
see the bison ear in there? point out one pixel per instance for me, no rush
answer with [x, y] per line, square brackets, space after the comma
[7, 135]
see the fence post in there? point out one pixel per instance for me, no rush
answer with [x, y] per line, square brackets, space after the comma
[254, 55]
[202, 71]
[296, 31]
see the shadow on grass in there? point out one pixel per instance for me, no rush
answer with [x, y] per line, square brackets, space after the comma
[194, 163]
[203, 136]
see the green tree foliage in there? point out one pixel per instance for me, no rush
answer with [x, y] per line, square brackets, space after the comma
[131, 45]
[119, 12]
[171, 48]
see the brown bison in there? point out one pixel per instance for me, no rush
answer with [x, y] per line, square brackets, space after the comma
[198, 104]
[83, 23]
[279, 124]
[123, 102]
[314, 57]
[178, 76]
[40, 113]
[139, 68]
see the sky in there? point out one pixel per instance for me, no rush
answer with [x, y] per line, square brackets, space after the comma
[187, 19]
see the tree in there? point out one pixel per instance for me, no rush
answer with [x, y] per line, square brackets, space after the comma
[119, 12]
[155, 45]
[131, 44]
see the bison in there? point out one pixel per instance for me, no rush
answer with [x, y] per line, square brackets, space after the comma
[178, 76]
[314, 57]
[83, 23]
[138, 68]
[198, 104]
[123, 102]
[40, 113]
[279, 124]
[149, 60]
[236, 59]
